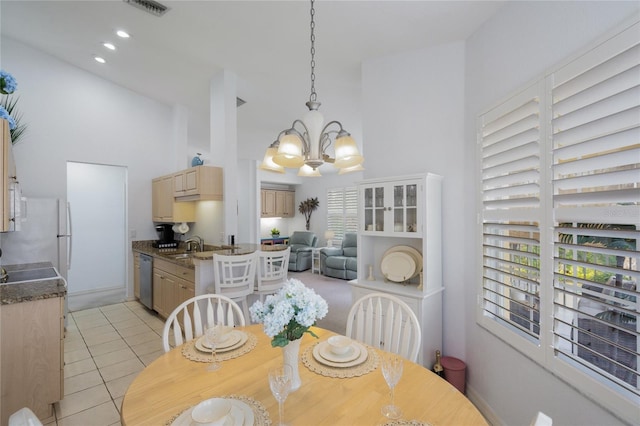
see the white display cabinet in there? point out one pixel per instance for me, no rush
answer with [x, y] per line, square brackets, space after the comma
[404, 211]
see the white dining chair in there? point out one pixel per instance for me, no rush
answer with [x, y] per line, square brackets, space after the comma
[234, 276]
[385, 322]
[191, 317]
[272, 270]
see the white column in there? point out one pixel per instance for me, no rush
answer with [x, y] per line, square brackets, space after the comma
[224, 143]
[180, 137]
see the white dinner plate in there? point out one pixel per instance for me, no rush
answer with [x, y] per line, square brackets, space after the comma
[230, 339]
[325, 352]
[398, 266]
[201, 341]
[241, 415]
[361, 358]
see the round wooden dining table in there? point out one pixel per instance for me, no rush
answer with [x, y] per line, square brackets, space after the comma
[173, 383]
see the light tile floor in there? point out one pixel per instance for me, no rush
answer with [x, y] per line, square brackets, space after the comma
[104, 350]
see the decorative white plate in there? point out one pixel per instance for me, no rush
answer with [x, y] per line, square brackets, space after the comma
[361, 358]
[325, 352]
[201, 342]
[241, 415]
[398, 267]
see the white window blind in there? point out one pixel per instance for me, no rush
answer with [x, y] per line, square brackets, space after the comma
[510, 152]
[560, 219]
[342, 211]
[596, 198]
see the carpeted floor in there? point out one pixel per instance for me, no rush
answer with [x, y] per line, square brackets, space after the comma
[336, 292]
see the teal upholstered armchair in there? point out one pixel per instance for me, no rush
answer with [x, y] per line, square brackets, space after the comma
[302, 244]
[341, 262]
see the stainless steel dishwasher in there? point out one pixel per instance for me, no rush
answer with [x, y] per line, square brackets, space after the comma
[146, 280]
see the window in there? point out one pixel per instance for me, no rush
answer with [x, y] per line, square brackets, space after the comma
[560, 217]
[342, 211]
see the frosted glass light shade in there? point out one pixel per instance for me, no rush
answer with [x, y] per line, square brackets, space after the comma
[307, 171]
[268, 164]
[289, 152]
[356, 168]
[347, 154]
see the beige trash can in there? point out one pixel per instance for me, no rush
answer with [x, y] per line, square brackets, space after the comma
[454, 372]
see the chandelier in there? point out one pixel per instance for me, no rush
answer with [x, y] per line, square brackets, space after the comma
[304, 145]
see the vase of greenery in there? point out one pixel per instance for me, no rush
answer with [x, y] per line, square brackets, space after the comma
[275, 232]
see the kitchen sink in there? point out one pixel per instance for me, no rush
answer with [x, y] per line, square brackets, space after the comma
[180, 256]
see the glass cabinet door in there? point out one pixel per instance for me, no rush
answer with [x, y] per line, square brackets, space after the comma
[405, 208]
[374, 208]
[391, 208]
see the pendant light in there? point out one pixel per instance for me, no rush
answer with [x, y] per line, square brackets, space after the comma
[306, 142]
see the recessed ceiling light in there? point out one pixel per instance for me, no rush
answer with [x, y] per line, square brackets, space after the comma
[122, 34]
[99, 59]
[109, 46]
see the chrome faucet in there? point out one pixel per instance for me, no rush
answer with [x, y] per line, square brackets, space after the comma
[197, 240]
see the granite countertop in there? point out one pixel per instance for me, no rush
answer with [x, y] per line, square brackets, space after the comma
[169, 255]
[34, 290]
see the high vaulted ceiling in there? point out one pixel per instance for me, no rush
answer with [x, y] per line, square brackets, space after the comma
[265, 43]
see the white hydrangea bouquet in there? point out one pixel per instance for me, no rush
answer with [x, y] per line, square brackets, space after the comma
[288, 314]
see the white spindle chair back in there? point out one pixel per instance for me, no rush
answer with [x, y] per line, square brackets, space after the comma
[196, 314]
[385, 322]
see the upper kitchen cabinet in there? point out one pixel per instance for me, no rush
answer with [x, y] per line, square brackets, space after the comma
[198, 183]
[285, 203]
[164, 206]
[8, 180]
[277, 203]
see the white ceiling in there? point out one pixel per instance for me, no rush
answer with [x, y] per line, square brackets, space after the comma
[265, 43]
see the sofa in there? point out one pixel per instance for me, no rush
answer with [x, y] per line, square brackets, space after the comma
[302, 244]
[341, 262]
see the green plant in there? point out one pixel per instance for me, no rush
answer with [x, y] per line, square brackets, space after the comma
[307, 207]
[275, 231]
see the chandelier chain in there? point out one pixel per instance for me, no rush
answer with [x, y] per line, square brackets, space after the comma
[313, 96]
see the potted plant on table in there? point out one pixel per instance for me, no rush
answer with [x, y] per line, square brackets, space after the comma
[275, 232]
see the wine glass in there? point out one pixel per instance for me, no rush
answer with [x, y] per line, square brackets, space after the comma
[280, 384]
[213, 334]
[392, 371]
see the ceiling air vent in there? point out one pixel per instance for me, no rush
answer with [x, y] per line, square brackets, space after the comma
[150, 6]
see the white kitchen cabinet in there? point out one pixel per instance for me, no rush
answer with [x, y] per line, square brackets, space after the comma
[404, 211]
[391, 208]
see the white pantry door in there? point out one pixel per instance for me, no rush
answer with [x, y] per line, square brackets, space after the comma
[97, 197]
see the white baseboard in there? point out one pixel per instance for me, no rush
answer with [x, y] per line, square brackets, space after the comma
[96, 298]
[486, 410]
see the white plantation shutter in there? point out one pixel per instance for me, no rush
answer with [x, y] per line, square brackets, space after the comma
[342, 211]
[509, 138]
[596, 201]
[560, 219]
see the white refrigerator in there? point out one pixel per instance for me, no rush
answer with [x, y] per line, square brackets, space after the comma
[44, 235]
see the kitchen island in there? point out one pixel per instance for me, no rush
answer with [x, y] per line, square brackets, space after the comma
[179, 275]
[31, 343]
